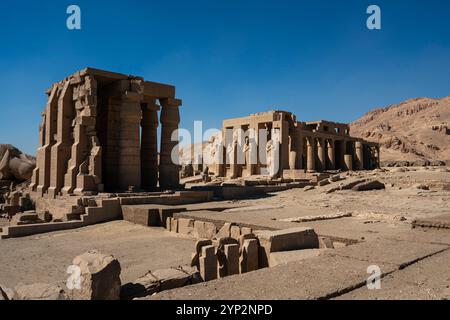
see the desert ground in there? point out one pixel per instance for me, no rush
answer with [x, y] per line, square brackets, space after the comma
[369, 228]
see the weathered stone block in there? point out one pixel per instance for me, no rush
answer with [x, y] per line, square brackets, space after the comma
[205, 230]
[39, 291]
[100, 277]
[284, 240]
[232, 256]
[174, 225]
[325, 243]
[235, 232]
[208, 263]
[283, 257]
[248, 260]
[185, 226]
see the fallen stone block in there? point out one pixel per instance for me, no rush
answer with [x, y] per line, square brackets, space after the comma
[284, 257]
[100, 277]
[325, 243]
[369, 185]
[284, 240]
[6, 293]
[322, 183]
[172, 278]
[141, 287]
[346, 185]
[39, 291]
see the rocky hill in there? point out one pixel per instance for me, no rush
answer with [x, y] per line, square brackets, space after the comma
[417, 130]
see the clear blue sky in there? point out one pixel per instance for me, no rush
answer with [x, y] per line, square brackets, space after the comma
[228, 58]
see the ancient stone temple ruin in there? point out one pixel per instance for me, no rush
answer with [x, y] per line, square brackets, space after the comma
[99, 133]
[303, 146]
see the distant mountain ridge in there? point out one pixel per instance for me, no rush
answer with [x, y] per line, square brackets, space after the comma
[413, 130]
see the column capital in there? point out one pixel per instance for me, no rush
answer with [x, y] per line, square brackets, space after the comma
[170, 102]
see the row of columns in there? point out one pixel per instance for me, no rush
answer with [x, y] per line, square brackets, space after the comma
[321, 155]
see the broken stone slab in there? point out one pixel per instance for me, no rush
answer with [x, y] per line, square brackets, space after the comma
[318, 217]
[173, 278]
[28, 217]
[141, 287]
[322, 183]
[346, 185]
[100, 277]
[160, 280]
[284, 240]
[6, 293]
[325, 243]
[335, 178]
[39, 291]
[369, 185]
[284, 257]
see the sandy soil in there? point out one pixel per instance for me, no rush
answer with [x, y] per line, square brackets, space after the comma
[380, 225]
[44, 258]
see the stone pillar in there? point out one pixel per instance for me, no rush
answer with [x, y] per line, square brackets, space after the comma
[149, 145]
[343, 152]
[170, 118]
[232, 255]
[321, 154]
[348, 160]
[129, 161]
[359, 155]
[43, 153]
[253, 149]
[60, 152]
[311, 159]
[208, 263]
[248, 260]
[35, 176]
[330, 153]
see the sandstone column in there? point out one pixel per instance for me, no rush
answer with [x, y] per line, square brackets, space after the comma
[35, 176]
[348, 159]
[321, 154]
[170, 118]
[311, 159]
[43, 153]
[359, 155]
[342, 158]
[149, 145]
[129, 162]
[330, 152]
[60, 152]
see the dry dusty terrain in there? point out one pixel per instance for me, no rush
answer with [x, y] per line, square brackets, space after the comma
[377, 225]
[45, 258]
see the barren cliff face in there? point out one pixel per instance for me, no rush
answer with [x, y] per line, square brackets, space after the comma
[417, 129]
